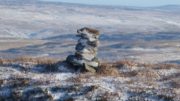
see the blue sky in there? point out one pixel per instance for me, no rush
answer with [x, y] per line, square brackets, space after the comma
[142, 3]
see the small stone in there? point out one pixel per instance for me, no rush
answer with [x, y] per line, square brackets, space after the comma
[72, 59]
[89, 68]
[92, 63]
[85, 42]
[86, 56]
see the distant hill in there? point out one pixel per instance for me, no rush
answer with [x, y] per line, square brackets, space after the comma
[25, 2]
[37, 19]
[17, 1]
[170, 8]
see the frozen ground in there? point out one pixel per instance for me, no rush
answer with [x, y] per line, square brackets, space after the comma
[126, 81]
[39, 29]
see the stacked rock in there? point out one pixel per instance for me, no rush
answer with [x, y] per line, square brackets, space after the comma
[86, 50]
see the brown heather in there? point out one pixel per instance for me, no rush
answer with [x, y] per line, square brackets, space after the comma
[30, 60]
[114, 69]
[107, 70]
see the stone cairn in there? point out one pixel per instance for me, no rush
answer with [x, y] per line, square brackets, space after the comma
[86, 50]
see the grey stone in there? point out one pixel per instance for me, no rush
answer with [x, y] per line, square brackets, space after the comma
[89, 68]
[86, 50]
[72, 59]
[85, 42]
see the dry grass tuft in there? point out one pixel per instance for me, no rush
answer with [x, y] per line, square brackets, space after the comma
[129, 74]
[48, 64]
[166, 66]
[122, 63]
[108, 70]
[130, 63]
[1, 61]
[160, 66]
[75, 80]
[148, 74]
[29, 60]
[113, 69]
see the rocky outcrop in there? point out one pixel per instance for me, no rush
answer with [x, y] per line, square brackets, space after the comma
[86, 50]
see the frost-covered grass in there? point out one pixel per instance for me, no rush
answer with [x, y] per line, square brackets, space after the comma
[44, 79]
[149, 36]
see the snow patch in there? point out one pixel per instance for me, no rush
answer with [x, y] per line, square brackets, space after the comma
[64, 76]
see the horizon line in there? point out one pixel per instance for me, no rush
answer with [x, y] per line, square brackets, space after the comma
[108, 5]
